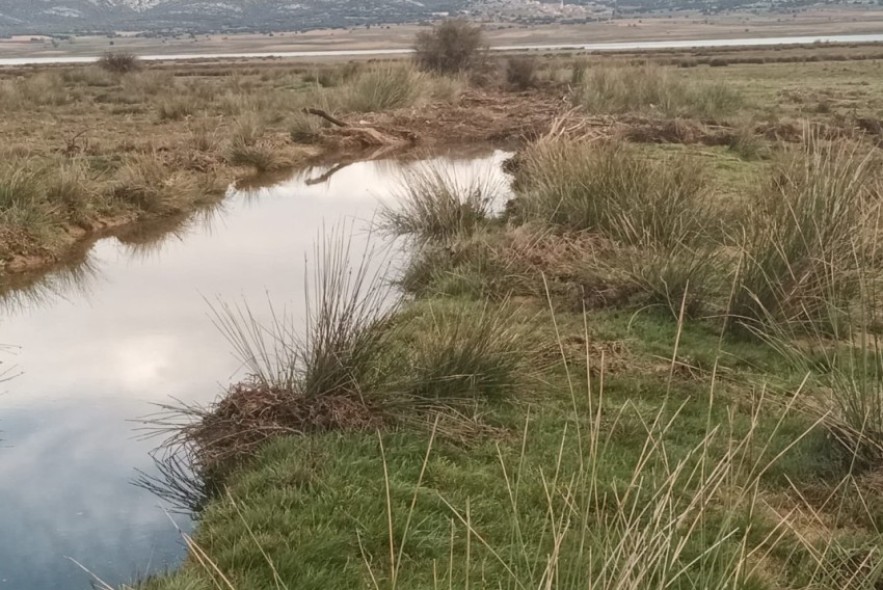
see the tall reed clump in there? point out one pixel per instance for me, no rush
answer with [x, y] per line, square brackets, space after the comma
[807, 236]
[338, 350]
[261, 156]
[843, 354]
[353, 365]
[432, 205]
[464, 353]
[34, 193]
[248, 148]
[613, 189]
[22, 198]
[855, 379]
[657, 211]
[851, 372]
[145, 183]
[652, 88]
[71, 185]
[326, 371]
[380, 88]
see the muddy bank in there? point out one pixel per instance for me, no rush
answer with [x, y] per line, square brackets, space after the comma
[109, 152]
[66, 239]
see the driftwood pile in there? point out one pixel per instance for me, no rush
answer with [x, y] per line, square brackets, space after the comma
[345, 134]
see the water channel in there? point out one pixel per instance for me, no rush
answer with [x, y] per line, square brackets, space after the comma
[591, 47]
[90, 348]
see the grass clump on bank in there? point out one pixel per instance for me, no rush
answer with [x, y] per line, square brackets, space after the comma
[653, 89]
[260, 156]
[433, 206]
[465, 357]
[658, 211]
[45, 204]
[356, 365]
[807, 235]
[613, 190]
[21, 196]
[382, 88]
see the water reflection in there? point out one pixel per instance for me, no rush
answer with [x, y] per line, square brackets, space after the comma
[126, 326]
[75, 275]
[21, 291]
[149, 238]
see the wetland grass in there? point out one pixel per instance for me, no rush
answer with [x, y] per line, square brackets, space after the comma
[529, 366]
[433, 206]
[807, 234]
[652, 89]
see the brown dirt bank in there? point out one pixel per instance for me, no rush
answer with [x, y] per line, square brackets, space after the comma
[114, 150]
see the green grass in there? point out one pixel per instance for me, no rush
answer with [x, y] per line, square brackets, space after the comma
[530, 441]
[627, 440]
[606, 465]
[459, 352]
[659, 210]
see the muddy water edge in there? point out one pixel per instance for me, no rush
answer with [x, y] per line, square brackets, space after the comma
[92, 346]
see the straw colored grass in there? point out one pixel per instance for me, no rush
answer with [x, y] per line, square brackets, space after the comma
[807, 234]
[381, 88]
[652, 89]
[615, 190]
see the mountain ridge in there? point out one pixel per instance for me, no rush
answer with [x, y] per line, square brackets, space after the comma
[73, 16]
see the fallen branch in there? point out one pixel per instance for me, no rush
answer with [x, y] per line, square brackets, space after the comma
[326, 116]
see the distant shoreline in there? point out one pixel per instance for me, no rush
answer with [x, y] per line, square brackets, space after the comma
[638, 46]
[681, 30]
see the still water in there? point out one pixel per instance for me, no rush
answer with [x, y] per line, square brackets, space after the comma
[98, 343]
[600, 47]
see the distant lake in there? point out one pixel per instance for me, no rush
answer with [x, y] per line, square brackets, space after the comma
[599, 47]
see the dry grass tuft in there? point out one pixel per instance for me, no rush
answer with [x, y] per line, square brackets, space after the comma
[432, 205]
[653, 89]
[381, 88]
[146, 183]
[521, 73]
[119, 62]
[806, 236]
[612, 189]
[249, 414]
[262, 156]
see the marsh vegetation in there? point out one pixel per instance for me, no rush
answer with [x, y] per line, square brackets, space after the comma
[656, 366]
[621, 378]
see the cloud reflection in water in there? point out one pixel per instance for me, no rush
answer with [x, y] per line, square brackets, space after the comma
[127, 325]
